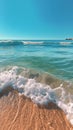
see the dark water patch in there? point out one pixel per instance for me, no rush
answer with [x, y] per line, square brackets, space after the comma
[6, 91]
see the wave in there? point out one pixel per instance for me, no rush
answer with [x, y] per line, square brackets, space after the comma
[32, 42]
[10, 43]
[5, 41]
[38, 92]
[35, 42]
[66, 43]
[19, 42]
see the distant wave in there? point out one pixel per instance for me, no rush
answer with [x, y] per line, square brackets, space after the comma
[19, 41]
[65, 43]
[32, 42]
[5, 41]
[9, 42]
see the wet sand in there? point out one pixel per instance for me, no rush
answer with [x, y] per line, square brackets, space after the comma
[20, 113]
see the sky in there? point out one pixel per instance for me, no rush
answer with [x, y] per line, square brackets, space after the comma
[36, 19]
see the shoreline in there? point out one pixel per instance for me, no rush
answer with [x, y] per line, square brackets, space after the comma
[20, 113]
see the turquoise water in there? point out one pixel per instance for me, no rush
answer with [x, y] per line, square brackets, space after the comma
[40, 70]
[53, 57]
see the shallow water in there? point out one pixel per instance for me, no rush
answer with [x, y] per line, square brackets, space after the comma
[41, 70]
[53, 57]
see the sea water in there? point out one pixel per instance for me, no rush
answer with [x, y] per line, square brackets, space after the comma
[41, 70]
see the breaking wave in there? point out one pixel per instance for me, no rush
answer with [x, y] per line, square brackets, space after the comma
[32, 42]
[39, 93]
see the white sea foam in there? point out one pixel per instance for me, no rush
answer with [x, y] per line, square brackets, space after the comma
[32, 42]
[39, 93]
[65, 43]
[5, 41]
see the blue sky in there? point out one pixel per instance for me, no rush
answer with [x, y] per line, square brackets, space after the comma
[36, 19]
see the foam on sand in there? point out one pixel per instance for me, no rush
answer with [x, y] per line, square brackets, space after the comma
[39, 93]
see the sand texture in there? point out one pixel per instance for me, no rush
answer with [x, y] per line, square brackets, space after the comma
[20, 113]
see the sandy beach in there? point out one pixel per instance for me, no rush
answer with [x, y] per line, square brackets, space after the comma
[20, 113]
[36, 65]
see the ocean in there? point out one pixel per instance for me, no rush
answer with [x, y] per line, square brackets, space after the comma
[39, 69]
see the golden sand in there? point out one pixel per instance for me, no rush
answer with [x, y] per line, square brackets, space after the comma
[19, 113]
